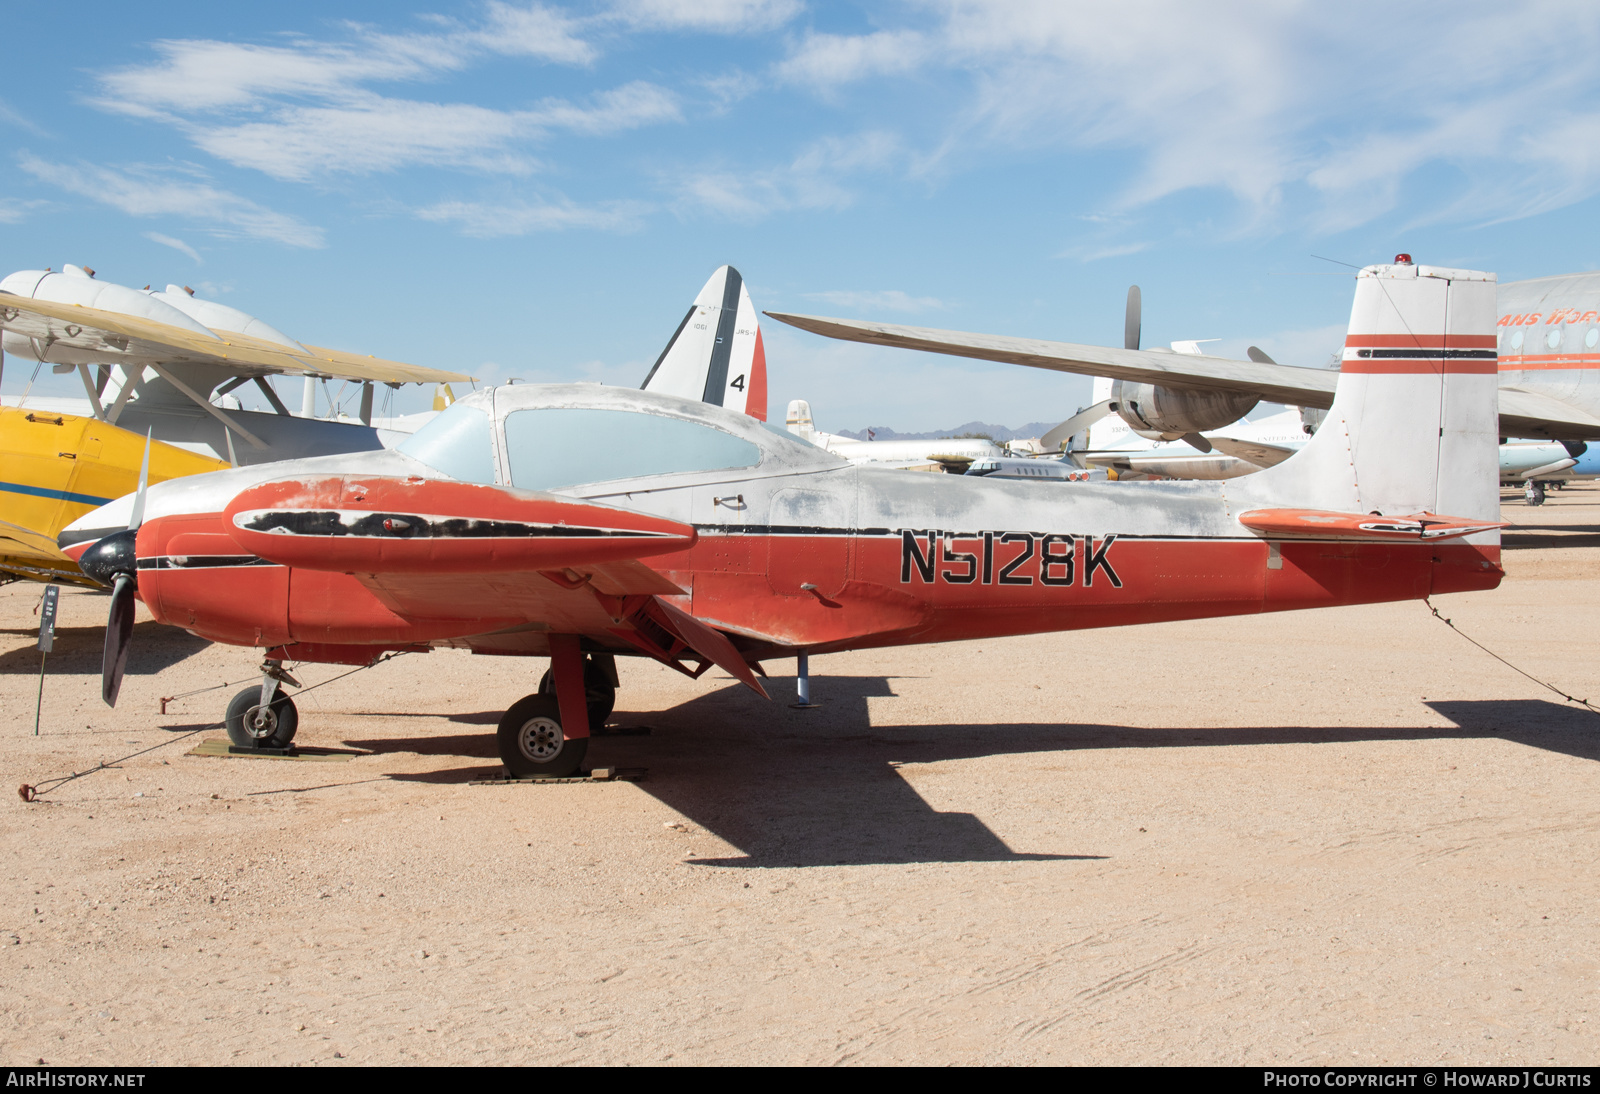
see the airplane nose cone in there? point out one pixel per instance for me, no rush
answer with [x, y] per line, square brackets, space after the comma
[113, 555]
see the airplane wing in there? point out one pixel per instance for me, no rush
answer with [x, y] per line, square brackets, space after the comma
[1256, 452]
[1522, 413]
[136, 340]
[1526, 414]
[497, 561]
[1273, 382]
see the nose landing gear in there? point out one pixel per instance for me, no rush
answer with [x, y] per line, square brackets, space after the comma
[264, 717]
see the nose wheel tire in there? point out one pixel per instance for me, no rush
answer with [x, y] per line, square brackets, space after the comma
[532, 742]
[250, 725]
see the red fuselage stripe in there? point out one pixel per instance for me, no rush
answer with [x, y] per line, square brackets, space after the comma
[1421, 341]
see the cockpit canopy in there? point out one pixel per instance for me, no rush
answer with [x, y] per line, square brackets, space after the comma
[590, 440]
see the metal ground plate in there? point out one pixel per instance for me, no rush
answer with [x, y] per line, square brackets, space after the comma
[222, 747]
[597, 775]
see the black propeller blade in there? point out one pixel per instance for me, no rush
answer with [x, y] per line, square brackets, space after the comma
[119, 630]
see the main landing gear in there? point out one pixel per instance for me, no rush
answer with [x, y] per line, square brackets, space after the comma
[547, 734]
[264, 717]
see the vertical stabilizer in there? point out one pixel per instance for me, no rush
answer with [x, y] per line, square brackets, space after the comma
[716, 354]
[1414, 422]
[798, 420]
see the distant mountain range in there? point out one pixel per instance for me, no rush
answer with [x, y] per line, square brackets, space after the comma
[998, 432]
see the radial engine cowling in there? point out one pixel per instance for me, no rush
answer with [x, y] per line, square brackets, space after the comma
[1164, 413]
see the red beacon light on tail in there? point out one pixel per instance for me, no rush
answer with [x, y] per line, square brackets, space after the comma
[1402, 260]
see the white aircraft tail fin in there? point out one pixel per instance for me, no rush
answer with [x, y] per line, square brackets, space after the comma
[1414, 422]
[798, 420]
[716, 354]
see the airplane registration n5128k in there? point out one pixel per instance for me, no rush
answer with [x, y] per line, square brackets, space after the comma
[699, 536]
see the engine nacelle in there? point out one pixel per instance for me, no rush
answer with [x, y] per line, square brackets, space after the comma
[1163, 413]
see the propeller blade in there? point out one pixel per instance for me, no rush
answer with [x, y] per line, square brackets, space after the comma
[1132, 319]
[1195, 440]
[1083, 419]
[144, 480]
[1259, 356]
[119, 632]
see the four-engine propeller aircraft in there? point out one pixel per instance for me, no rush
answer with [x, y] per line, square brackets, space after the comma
[1549, 365]
[699, 536]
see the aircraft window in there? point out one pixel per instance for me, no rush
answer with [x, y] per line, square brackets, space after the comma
[553, 447]
[456, 443]
[1516, 339]
[1553, 339]
[1592, 337]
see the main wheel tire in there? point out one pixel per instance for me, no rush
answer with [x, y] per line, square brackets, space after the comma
[252, 726]
[599, 693]
[532, 742]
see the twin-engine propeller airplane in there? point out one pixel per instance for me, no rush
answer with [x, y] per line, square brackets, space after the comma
[699, 536]
[59, 464]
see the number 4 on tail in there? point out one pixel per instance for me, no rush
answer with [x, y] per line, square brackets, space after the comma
[738, 383]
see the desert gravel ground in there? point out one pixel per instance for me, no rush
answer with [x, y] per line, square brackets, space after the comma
[1325, 837]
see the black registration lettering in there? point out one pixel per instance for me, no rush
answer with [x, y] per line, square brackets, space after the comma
[960, 558]
[1049, 557]
[911, 554]
[988, 558]
[1094, 558]
[1009, 570]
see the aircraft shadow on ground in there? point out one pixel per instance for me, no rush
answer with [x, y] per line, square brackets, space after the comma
[1558, 536]
[78, 651]
[822, 787]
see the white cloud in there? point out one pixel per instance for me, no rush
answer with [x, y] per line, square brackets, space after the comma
[883, 300]
[307, 110]
[10, 116]
[488, 220]
[176, 244]
[726, 16]
[369, 133]
[827, 60]
[199, 75]
[1257, 100]
[144, 192]
[815, 179]
[15, 211]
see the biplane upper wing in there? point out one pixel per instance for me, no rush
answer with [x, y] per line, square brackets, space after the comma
[136, 340]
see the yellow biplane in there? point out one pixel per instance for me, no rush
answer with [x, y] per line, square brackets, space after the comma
[152, 364]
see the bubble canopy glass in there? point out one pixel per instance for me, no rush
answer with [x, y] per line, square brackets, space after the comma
[550, 447]
[457, 443]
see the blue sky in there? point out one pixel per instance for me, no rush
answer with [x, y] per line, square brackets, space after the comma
[537, 191]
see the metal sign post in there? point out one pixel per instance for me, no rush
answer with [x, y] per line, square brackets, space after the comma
[47, 641]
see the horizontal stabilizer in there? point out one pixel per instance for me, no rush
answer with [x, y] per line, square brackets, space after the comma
[378, 525]
[1319, 524]
[1256, 452]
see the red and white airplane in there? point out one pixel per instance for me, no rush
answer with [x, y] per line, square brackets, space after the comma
[699, 536]
[1547, 336]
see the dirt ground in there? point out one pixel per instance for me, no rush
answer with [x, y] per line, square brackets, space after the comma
[1325, 837]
